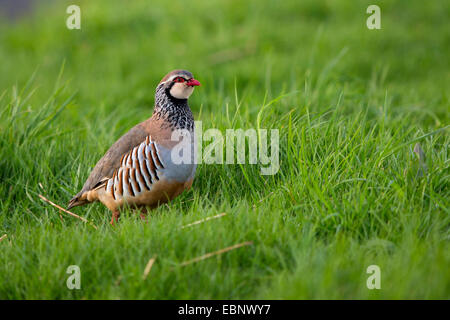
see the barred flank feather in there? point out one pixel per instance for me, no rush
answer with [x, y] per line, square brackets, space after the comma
[138, 171]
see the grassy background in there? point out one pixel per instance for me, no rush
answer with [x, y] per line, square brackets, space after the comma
[350, 104]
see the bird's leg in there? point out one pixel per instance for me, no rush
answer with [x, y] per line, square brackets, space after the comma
[144, 214]
[115, 217]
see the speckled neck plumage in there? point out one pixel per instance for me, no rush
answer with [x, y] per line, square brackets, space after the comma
[175, 112]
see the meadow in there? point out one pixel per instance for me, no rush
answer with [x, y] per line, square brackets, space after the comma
[350, 104]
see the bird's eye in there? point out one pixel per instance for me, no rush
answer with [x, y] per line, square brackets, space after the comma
[179, 79]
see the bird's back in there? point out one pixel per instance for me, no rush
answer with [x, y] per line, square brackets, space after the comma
[111, 160]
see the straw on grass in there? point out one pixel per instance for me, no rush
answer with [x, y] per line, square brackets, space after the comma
[211, 254]
[204, 220]
[66, 211]
[148, 267]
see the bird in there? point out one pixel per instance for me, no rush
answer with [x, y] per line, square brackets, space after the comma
[138, 170]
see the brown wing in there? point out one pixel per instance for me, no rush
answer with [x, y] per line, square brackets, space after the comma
[111, 161]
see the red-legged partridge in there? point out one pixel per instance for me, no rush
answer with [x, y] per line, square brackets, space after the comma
[138, 169]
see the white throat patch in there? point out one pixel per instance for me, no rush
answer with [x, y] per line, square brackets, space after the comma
[181, 91]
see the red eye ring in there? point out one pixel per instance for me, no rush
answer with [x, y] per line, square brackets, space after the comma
[179, 79]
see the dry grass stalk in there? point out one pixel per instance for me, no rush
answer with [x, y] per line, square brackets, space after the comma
[211, 254]
[66, 211]
[203, 220]
[148, 267]
[3, 237]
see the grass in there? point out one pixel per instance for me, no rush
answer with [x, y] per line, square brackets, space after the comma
[350, 104]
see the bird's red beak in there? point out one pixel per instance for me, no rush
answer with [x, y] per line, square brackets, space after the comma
[192, 82]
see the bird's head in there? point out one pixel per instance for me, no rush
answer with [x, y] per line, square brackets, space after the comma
[179, 84]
